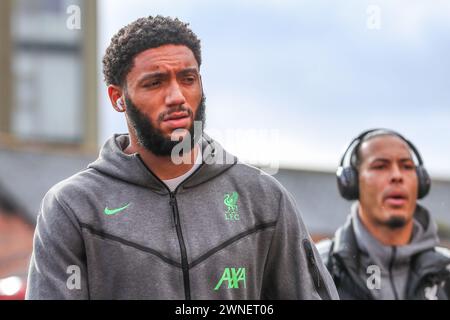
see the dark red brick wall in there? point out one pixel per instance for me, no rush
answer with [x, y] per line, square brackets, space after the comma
[16, 244]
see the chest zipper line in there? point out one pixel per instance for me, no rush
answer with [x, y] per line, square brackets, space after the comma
[184, 260]
[176, 217]
[391, 266]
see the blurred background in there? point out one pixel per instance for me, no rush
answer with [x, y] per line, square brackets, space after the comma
[294, 80]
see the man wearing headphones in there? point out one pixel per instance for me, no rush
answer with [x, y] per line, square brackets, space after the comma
[138, 223]
[387, 249]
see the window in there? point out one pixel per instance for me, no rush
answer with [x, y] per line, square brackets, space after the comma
[53, 73]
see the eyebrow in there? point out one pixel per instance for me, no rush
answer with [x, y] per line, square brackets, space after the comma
[152, 75]
[388, 160]
[159, 74]
[188, 70]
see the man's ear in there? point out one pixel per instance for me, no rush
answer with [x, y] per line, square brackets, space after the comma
[115, 94]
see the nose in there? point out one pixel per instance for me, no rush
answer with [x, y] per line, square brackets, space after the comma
[174, 96]
[396, 174]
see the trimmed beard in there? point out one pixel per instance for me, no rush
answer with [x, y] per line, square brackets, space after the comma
[151, 138]
[394, 223]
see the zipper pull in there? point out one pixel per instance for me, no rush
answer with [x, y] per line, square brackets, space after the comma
[172, 201]
[173, 205]
[314, 270]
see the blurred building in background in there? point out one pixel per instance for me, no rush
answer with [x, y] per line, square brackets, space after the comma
[48, 97]
[16, 239]
[49, 130]
[48, 78]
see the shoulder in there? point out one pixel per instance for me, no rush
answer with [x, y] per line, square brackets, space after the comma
[445, 252]
[437, 259]
[56, 212]
[268, 197]
[255, 177]
[83, 180]
[264, 187]
[76, 188]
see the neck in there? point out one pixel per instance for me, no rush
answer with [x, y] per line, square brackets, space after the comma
[163, 167]
[385, 235]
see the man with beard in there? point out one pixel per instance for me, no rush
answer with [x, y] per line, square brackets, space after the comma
[388, 247]
[139, 223]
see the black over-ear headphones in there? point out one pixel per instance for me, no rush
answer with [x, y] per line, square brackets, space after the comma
[347, 174]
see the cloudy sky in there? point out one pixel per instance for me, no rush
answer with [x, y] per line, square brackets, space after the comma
[292, 82]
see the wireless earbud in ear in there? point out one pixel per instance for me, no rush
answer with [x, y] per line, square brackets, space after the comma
[120, 104]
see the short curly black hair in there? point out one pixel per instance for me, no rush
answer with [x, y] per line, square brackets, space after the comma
[357, 159]
[143, 34]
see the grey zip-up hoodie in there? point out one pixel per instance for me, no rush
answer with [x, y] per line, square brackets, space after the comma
[393, 261]
[229, 231]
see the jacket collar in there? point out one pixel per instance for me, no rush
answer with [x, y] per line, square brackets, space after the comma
[346, 243]
[114, 162]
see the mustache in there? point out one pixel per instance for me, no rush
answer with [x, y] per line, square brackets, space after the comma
[180, 108]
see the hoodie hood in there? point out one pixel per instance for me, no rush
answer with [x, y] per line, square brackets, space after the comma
[424, 238]
[413, 271]
[114, 162]
[394, 261]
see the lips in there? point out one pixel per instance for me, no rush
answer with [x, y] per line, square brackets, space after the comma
[396, 198]
[176, 116]
[177, 120]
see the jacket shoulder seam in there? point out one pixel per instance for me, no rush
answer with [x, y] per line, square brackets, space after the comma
[66, 210]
